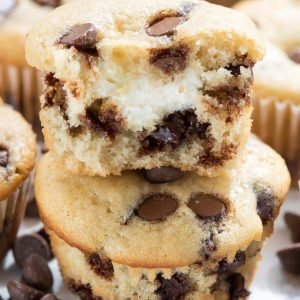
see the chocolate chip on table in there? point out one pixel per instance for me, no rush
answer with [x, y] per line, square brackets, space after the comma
[100, 266]
[20, 291]
[3, 156]
[265, 204]
[6, 6]
[239, 260]
[165, 25]
[237, 287]
[28, 244]
[163, 175]
[293, 222]
[290, 258]
[156, 207]
[175, 288]
[36, 273]
[170, 60]
[207, 206]
[51, 3]
[82, 37]
[294, 55]
[49, 297]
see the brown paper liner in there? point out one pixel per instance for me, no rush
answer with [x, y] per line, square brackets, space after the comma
[21, 88]
[12, 210]
[278, 125]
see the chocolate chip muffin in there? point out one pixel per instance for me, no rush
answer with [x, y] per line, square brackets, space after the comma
[17, 158]
[144, 84]
[19, 84]
[276, 89]
[162, 232]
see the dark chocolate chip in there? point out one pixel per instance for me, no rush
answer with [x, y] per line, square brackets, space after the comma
[237, 287]
[207, 206]
[50, 79]
[28, 244]
[293, 222]
[294, 55]
[170, 60]
[82, 37]
[3, 156]
[100, 266]
[6, 7]
[20, 291]
[265, 204]
[290, 258]
[51, 3]
[156, 207]
[50, 297]
[175, 288]
[235, 70]
[36, 273]
[163, 175]
[84, 291]
[165, 25]
[239, 260]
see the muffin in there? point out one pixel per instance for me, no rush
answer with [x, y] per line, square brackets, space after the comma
[276, 88]
[17, 159]
[20, 85]
[144, 84]
[124, 237]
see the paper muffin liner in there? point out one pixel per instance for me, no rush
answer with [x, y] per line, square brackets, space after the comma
[278, 125]
[21, 88]
[12, 210]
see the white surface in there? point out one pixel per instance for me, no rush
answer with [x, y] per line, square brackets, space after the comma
[270, 283]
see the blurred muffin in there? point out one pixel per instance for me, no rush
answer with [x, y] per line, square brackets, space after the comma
[17, 158]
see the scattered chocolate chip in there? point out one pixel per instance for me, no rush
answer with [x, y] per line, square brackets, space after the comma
[207, 206]
[239, 260]
[50, 297]
[170, 60]
[51, 3]
[165, 25]
[50, 79]
[36, 273]
[6, 7]
[20, 291]
[174, 130]
[156, 207]
[235, 70]
[163, 175]
[3, 156]
[237, 287]
[293, 222]
[28, 244]
[100, 266]
[175, 288]
[265, 204]
[290, 258]
[84, 291]
[83, 37]
[294, 55]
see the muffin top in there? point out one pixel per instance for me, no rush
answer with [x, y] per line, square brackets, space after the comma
[16, 19]
[17, 150]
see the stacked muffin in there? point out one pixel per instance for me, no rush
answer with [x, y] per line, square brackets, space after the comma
[152, 188]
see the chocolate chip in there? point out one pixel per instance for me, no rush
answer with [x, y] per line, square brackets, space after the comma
[294, 55]
[100, 266]
[82, 37]
[84, 291]
[207, 206]
[163, 175]
[156, 207]
[290, 258]
[265, 204]
[36, 273]
[50, 297]
[175, 288]
[51, 3]
[239, 260]
[20, 291]
[293, 222]
[50, 79]
[165, 25]
[3, 156]
[29, 244]
[235, 70]
[170, 60]
[237, 287]
[32, 210]
[6, 7]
